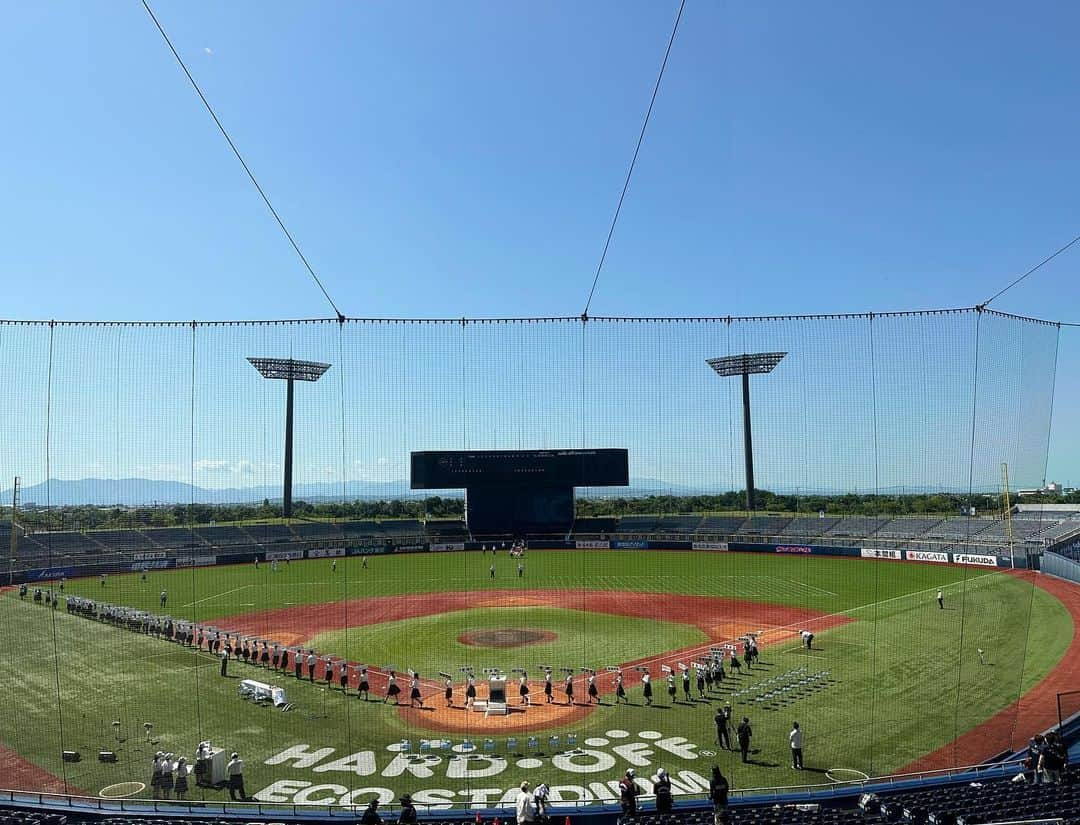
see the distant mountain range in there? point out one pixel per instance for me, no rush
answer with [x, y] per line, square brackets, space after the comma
[126, 492]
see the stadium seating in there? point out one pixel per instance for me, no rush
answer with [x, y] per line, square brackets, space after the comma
[906, 527]
[721, 525]
[224, 536]
[857, 526]
[807, 527]
[765, 525]
[637, 525]
[174, 538]
[677, 524]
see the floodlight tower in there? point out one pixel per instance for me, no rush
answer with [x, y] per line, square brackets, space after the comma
[289, 370]
[746, 365]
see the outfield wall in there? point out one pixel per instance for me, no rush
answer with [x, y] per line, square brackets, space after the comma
[161, 561]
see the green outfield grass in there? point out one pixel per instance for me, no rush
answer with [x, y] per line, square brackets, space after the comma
[904, 678]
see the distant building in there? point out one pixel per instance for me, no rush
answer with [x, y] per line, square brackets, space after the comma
[1054, 488]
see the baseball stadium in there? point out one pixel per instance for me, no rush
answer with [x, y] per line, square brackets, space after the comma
[769, 534]
[837, 541]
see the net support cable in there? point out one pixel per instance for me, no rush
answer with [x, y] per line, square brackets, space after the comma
[243, 163]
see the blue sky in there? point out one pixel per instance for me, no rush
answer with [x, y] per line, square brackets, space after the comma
[464, 159]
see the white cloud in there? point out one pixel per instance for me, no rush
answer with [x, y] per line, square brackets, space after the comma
[208, 50]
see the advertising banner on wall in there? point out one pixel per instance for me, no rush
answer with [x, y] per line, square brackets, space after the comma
[878, 553]
[927, 555]
[195, 561]
[982, 561]
[281, 555]
[591, 544]
[157, 554]
[447, 547]
[710, 545]
[325, 552]
[630, 545]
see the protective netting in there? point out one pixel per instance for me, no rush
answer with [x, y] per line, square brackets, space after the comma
[150, 460]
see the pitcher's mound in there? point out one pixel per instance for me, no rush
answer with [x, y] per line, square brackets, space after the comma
[506, 637]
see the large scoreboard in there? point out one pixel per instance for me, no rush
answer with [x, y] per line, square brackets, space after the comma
[518, 492]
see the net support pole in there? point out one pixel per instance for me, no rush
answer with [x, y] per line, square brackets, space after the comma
[748, 441]
[286, 497]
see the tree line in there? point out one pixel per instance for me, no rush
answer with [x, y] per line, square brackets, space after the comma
[86, 517]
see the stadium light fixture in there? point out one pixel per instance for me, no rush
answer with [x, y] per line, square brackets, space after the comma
[747, 364]
[289, 370]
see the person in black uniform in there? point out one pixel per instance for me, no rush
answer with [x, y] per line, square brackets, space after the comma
[568, 688]
[671, 690]
[371, 814]
[449, 692]
[547, 687]
[594, 695]
[723, 732]
[686, 686]
[470, 690]
[408, 811]
[662, 790]
[392, 689]
[646, 688]
[701, 680]
[620, 691]
[743, 733]
[343, 676]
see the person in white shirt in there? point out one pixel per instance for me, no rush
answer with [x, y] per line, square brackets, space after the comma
[524, 805]
[183, 770]
[796, 746]
[235, 771]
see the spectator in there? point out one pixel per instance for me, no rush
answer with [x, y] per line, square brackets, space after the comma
[523, 805]
[628, 794]
[662, 790]
[718, 793]
[371, 814]
[408, 811]
[540, 800]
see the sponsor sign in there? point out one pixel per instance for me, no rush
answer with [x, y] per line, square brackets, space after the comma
[195, 561]
[154, 564]
[927, 555]
[710, 545]
[310, 775]
[447, 547]
[591, 544]
[367, 550]
[409, 548]
[281, 555]
[982, 561]
[325, 552]
[630, 545]
[876, 553]
[798, 549]
[50, 573]
[160, 554]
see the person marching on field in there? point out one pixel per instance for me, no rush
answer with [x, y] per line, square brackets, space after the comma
[704, 677]
[311, 665]
[620, 691]
[343, 676]
[275, 658]
[547, 686]
[523, 688]
[414, 691]
[593, 694]
[569, 688]
[491, 570]
[686, 685]
[671, 687]
[646, 687]
[736, 668]
[392, 689]
[449, 693]
[224, 663]
[470, 690]
[362, 688]
[328, 670]
[940, 600]
[298, 663]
